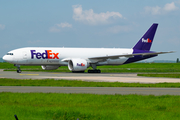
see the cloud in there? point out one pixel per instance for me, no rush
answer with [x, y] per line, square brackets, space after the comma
[59, 27]
[54, 29]
[63, 25]
[161, 10]
[118, 29]
[153, 10]
[170, 7]
[88, 16]
[2, 27]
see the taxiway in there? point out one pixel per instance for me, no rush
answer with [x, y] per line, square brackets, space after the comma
[102, 77]
[93, 90]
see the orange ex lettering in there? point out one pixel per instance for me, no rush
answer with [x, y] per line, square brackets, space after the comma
[56, 55]
[49, 54]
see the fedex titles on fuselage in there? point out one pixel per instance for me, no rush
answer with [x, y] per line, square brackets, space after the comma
[48, 54]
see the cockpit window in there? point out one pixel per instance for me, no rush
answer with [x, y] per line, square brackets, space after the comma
[9, 54]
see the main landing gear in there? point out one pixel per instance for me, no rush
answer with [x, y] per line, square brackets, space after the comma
[18, 68]
[94, 69]
[77, 71]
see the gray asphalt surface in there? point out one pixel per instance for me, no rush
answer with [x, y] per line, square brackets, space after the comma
[106, 77]
[93, 90]
[102, 77]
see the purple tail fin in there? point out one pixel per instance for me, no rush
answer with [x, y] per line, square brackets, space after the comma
[146, 41]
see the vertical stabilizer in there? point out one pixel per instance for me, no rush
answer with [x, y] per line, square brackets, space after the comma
[146, 41]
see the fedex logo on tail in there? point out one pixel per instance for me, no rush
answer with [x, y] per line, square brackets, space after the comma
[48, 54]
[146, 40]
[81, 64]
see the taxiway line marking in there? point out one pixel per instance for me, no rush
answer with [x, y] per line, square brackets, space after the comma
[28, 74]
[54, 73]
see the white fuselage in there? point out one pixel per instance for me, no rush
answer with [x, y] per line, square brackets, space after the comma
[55, 56]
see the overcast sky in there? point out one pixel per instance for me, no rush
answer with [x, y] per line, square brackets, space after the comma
[89, 23]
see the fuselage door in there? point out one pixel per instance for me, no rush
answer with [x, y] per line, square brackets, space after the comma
[24, 55]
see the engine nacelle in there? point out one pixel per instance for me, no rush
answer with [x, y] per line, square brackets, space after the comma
[49, 67]
[78, 64]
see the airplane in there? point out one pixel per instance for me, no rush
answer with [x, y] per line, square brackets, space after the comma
[79, 59]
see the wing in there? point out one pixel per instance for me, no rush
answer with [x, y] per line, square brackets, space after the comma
[103, 58]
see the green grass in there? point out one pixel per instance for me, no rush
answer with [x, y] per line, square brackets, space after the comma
[76, 83]
[128, 68]
[55, 106]
[161, 75]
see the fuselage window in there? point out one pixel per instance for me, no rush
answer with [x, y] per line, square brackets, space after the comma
[9, 54]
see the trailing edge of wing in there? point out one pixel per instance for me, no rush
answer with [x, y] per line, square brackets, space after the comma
[129, 55]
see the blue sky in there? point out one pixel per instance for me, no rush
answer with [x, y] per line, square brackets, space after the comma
[90, 23]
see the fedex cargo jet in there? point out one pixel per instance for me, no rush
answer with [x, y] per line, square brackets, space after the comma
[79, 59]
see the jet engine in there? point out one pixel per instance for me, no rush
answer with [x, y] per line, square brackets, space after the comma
[49, 67]
[78, 64]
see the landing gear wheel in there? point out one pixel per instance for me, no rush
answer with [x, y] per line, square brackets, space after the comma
[98, 71]
[18, 71]
[18, 68]
[77, 71]
[94, 71]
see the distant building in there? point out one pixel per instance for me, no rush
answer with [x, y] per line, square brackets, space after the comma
[1, 60]
[157, 61]
[164, 61]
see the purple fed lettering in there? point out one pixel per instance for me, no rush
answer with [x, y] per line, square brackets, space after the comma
[32, 54]
[44, 55]
[38, 55]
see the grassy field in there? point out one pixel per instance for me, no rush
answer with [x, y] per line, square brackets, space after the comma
[161, 75]
[128, 68]
[76, 83]
[54, 106]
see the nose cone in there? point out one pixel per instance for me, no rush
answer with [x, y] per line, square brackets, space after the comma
[5, 58]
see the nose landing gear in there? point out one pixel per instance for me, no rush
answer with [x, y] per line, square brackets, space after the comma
[18, 68]
[19, 71]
